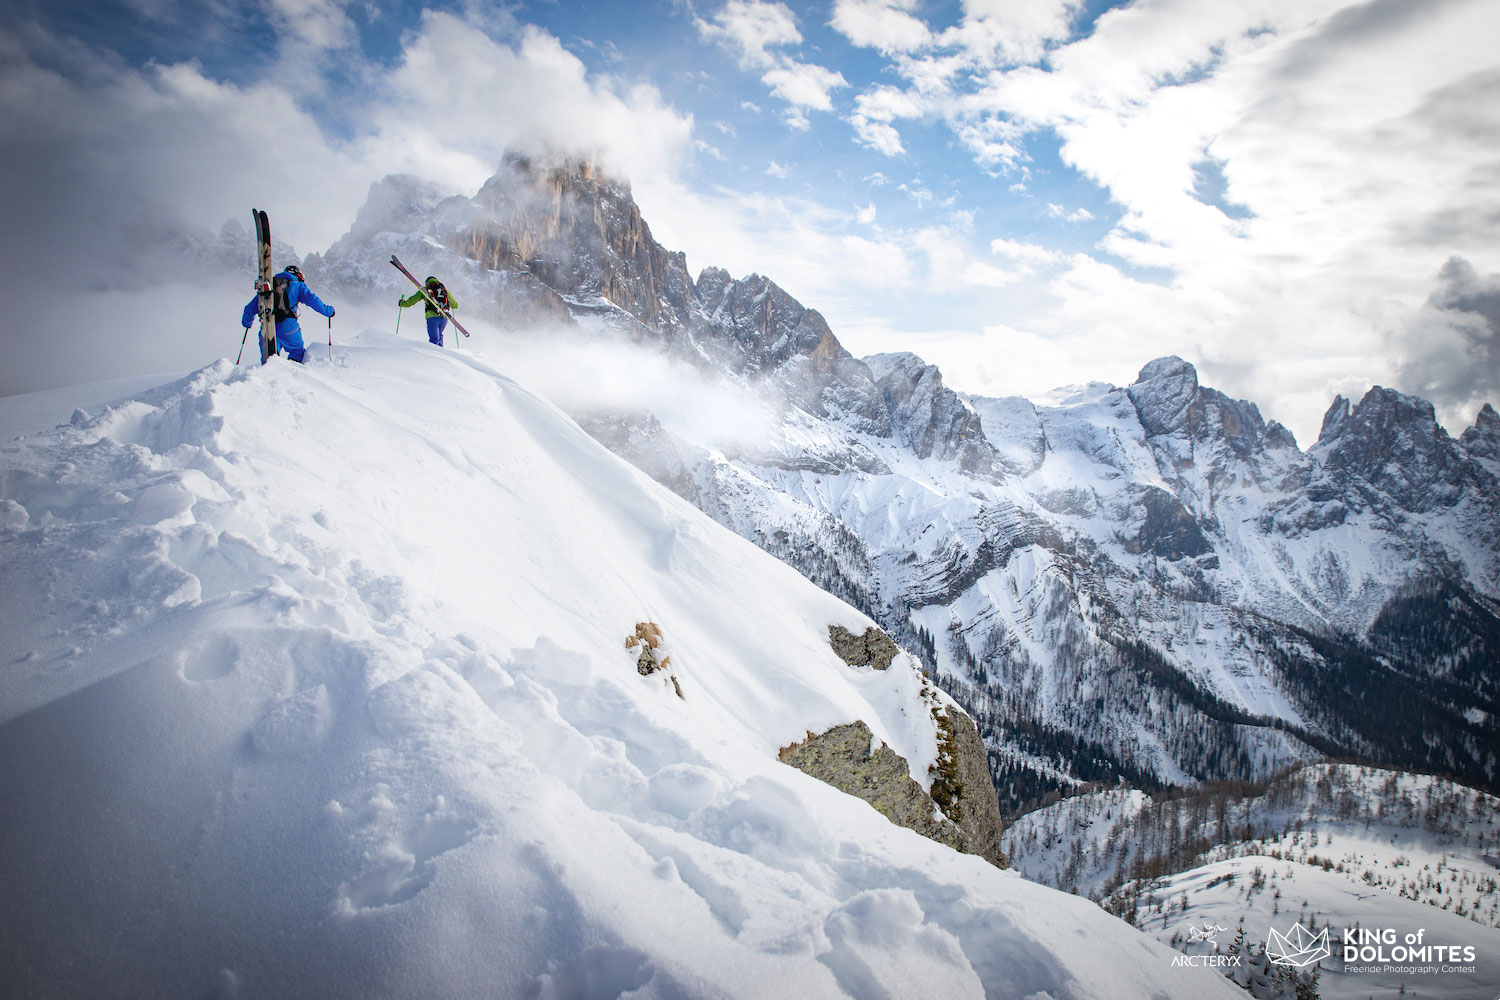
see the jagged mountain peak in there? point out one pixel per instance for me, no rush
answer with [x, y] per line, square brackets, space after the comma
[1171, 403]
[932, 419]
[1335, 418]
[1393, 442]
[397, 203]
[1483, 439]
[1378, 411]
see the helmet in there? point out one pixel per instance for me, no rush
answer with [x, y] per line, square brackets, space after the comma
[432, 281]
[295, 272]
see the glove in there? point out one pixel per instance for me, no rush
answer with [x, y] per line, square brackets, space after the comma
[401, 301]
[331, 312]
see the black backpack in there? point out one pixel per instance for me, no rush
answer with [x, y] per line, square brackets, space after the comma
[439, 295]
[281, 307]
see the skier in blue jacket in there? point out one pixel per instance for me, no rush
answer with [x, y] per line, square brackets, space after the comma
[288, 332]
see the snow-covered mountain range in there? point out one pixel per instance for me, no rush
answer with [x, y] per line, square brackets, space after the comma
[1148, 582]
[379, 678]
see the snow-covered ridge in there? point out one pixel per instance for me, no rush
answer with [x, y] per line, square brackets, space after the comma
[314, 683]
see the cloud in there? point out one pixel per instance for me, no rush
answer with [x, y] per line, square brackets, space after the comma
[776, 170]
[440, 118]
[887, 25]
[317, 24]
[866, 214]
[878, 136]
[875, 110]
[752, 29]
[918, 192]
[796, 120]
[1056, 211]
[755, 30]
[952, 267]
[804, 85]
[1452, 354]
[995, 142]
[1028, 255]
[1011, 31]
[595, 376]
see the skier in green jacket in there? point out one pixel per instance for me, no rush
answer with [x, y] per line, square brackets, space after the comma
[436, 321]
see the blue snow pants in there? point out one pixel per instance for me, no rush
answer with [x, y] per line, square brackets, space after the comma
[435, 327]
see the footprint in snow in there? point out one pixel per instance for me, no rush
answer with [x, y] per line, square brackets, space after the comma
[404, 865]
[208, 660]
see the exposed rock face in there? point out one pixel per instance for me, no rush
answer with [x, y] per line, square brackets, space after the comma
[1171, 404]
[842, 758]
[1392, 443]
[873, 648]
[1483, 439]
[932, 419]
[978, 812]
[1169, 529]
[581, 234]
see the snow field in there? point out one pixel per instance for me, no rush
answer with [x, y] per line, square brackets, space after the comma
[1338, 845]
[314, 683]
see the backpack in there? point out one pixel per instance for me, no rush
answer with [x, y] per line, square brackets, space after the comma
[439, 295]
[281, 305]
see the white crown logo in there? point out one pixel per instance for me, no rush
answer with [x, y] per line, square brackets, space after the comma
[1298, 949]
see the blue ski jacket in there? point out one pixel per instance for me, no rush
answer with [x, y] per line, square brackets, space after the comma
[288, 331]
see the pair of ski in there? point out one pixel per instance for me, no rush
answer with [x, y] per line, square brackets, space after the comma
[435, 304]
[266, 307]
[266, 310]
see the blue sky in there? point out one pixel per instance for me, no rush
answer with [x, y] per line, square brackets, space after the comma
[1026, 192]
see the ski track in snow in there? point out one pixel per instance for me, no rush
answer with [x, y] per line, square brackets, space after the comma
[313, 684]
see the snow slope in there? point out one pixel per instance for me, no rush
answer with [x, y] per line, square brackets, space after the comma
[313, 683]
[1338, 845]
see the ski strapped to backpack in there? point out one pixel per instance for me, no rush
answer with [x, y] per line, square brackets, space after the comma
[267, 306]
[441, 308]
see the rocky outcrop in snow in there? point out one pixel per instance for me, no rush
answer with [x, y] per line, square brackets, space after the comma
[874, 648]
[849, 758]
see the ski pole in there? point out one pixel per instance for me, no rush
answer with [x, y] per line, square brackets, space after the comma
[399, 311]
[330, 338]
[243, 338]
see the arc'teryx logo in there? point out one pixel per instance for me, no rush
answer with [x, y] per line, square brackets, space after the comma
[1208, 932]
[1299, 948]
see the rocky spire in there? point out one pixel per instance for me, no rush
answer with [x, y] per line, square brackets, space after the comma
[1483, 439]
[1393, 442]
